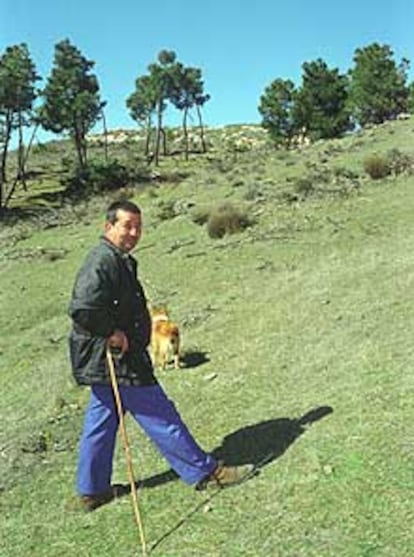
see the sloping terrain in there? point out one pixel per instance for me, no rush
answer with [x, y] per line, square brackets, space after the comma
[298, 355]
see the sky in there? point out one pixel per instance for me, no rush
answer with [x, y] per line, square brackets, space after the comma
[241, 46]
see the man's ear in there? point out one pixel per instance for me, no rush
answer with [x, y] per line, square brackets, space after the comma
[107, 226]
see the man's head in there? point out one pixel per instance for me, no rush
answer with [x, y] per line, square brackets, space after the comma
[123, 224]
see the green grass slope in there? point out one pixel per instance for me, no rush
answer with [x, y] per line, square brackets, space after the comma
[298, 357]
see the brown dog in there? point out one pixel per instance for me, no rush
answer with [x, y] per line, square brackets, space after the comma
[165, 339]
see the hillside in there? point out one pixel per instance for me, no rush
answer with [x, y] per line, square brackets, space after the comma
[297, 336]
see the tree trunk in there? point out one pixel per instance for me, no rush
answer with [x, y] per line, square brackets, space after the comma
[7, 135]
[80, 148]
[185, 130]
[80, 141]
[11, 192]
[164, 142]
[3, 171]
[84, 145]
[23, 166]
[105, 130]
[79, 152]
[158, 135]
[21, 171]
[200, 120]
[29, 145]
[148, 137]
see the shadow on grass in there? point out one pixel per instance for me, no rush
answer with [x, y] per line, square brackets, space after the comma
[194, 359]
[257, 444]
[264, 442]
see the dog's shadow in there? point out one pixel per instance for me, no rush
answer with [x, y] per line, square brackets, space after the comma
[257, 444]
[193, 359]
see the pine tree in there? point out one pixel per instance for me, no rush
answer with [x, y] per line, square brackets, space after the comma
[321, 104]
[188, 92]
[18, 78]
[71, 97]
[276, 108]
[378, 89]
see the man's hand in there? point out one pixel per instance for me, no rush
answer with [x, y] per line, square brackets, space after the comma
[118, 339]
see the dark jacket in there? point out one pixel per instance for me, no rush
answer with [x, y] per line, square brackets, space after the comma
[107, 296]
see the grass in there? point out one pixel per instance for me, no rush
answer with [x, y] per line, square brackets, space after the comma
[309, 309]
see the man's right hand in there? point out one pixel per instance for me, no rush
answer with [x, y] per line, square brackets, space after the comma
[119, 340]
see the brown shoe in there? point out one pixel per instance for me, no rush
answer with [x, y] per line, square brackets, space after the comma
[92, 502]
[88, 503]
[226, 476]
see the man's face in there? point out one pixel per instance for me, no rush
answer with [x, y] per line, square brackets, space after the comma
[126, 230]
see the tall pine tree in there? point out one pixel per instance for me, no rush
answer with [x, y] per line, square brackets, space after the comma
[71, 97]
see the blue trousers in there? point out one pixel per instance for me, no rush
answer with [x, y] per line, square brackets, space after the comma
[157, 416]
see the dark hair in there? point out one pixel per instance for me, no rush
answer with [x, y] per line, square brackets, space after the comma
[124, 205]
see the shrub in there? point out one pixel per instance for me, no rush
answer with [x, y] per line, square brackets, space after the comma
[400, 163]
[222, 165]
[303, 186]
[341, 172]
[166, 209]
[377, 166]
[122, 194]
[39, 149]
[226, 219]
[253, 192]
[97, 177]
[200, 215]
[237, 182]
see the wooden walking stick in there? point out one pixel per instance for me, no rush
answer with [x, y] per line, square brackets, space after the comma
[125, 443]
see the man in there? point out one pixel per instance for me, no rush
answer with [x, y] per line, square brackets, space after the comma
[108, 307]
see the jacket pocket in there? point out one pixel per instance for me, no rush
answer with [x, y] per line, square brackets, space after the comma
[87, 353]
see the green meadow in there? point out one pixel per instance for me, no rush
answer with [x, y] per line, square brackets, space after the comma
[298, 353]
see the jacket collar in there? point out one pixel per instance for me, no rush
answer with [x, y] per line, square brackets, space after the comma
[118, 251]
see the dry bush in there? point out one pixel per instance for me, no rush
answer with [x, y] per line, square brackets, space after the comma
[377, 166]
[166, 210]
[400, 163]
[254, 192]
[200, 215]
[226, 219]
[304, 186]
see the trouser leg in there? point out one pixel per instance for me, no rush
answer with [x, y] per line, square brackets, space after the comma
[97, 442]
[159, 418]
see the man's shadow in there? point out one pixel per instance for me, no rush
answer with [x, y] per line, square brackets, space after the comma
[264, 442]
[257, 444]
